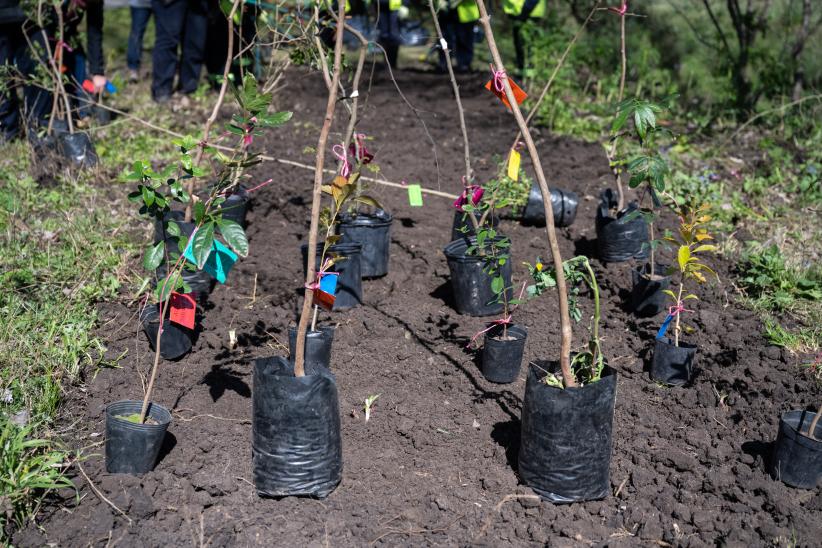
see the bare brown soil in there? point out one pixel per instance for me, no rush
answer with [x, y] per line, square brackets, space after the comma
[436, 464]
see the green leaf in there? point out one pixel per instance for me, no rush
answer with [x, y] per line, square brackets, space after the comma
[274, 120]
[235, 236]
[173, 228]
[153, 256]
[199, 212]
[148, 195]
[497, 285]
[203, 242]
[683, 255]
[368, 200]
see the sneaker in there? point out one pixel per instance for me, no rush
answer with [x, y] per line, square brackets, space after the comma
[161, 99]
[133, 76]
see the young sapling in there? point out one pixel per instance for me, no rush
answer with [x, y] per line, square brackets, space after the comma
[690, 247]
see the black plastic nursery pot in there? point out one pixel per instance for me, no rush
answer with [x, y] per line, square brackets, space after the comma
[502, 358]
[198, 280]
[672, 365]
[317, 347]
[623, 237]
[77, 148]
[296, 443]
[133, 448]
[373, 232]
[235, 207]
[463, 222]
[797, 459]
[470, 284]
[349, 265]
[647, 297]
[563, 203]
[176, 341]
[565, 446]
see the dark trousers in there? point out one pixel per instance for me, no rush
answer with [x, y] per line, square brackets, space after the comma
[460, 38]
[180, 24]
[139, 23]
[217, 43]
[519, 45]
[14, 51]
[388, 25]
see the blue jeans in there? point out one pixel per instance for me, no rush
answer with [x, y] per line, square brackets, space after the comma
[139, 22]
[181, 24]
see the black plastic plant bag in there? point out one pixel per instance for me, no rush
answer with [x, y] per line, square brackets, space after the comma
[797, 459]
[565, 449]
[564, 204]
[647, 297]
[78, 148]
[470, 283]
[317, 347]
[623, 237]
[296, 441]
[373, 232]
[349, 266]
[672, 365]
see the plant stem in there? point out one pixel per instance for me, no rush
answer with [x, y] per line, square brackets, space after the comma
[595, 350]
[653, 250]
[814, 422]
[314, 318]
[623, 73]
[676, 323]
[216, 110]
[564, 316]
[299, 360]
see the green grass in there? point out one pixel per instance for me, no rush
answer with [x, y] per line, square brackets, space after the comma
[60, 252]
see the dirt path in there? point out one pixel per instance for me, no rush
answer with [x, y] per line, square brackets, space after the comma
[439, 453]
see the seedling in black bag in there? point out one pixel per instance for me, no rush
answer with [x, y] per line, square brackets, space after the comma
[198, 248]
[690, 246]
[587, 365]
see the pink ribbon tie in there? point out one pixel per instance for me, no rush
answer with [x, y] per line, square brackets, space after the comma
[499, 75]
[339, 152]
[622, 10]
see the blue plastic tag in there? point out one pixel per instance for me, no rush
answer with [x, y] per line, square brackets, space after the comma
[328, 282]
[664, 327]
[219, 262]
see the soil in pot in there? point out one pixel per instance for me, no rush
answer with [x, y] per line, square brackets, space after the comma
[470, 283]
[176, 341]
[296, 441]
[348, 264]
[463, 228]
[797, 459]
[373, 232]
[502, 354]
[623, 237]
[565, 446]
[563, 202]
[672, 365]
[647, 297]
[131, 447]
[317, 347]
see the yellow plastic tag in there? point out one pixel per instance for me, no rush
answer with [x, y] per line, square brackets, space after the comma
[513, 165]
[415, 195]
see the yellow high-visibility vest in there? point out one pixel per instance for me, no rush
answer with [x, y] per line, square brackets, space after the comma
[468, 11]
[394, 5]
[514, 7]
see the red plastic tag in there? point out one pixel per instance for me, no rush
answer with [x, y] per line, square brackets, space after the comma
[325, 300]
[182, 310]
[519, 94]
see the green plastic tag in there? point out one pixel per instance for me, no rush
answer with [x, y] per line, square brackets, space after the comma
[415, 195]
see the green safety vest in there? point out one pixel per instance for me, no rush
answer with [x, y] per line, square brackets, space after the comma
[468, 11]
[514, 7]
[394, 5]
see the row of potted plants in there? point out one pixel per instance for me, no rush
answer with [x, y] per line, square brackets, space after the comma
[568, 407]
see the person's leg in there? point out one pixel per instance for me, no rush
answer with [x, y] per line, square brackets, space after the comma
[194, 42]
[465, 45]
[388, 23]
[9, 103]
[139, 23]
[168, 22]
[519, 46]
[447, 19]
[37, 101]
